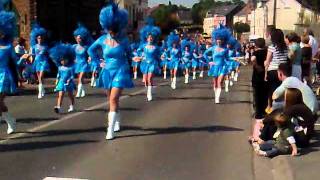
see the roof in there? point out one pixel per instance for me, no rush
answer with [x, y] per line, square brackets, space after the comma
[222, 10]
[247, 9]
[309, 5]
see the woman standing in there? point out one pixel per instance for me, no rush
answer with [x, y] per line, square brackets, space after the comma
[306, 52]
[294, 54]
[151, 55]
[81, 66]
[7, 64]
[174, 52]
[186, 60]
[39, 55]
[277, 54]
[115, 73]
[218, 60]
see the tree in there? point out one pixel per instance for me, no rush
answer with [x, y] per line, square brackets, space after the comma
[166, 17]
[240, 28]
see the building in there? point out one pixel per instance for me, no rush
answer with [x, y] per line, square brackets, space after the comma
[220, 15]
[291, 15]
[244, 16]
[60, 17]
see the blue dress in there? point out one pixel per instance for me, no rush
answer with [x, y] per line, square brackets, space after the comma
[64, 75]
[195, 59]
[40, 54]
[175, 58]
[116, 71]
[164, 61]
[7, 82]
[150, 61]
[81, 62]
[186, 59]
[219, 58]
[135, 63]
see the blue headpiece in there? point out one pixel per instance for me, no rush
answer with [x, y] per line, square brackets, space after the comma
[150, 29]
[62, 51]
[7, 22]
[113, 18]
[232, 42]
[221, 33]
[134, 46]
[173, 38]
[36, 31]
[84, 33]
[185, 43]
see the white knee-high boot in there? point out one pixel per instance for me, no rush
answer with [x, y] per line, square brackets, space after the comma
[117, 123]
[201, 74]
[83, 92]
[43, 91]
[194, 75]
[231, 82]
[232, 74]
[186, 79]
[149, 93]
[174, 83]
[226, 83]
[40, 91]
[135, 75]
[79, 91]
[111, 124]
[236, 75]
[92, 81]
[165, 75]
[217, 95]
[10, 121]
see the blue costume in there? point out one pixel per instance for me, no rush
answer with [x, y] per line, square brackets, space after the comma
[164, 58]
[135, 53]
[39, 51]
[174, 58]
[81, 62]
[186, 59]
[219, 59]
[150, 62]
[195, 60]
[65, 73]
[7, 56]
[116, 71]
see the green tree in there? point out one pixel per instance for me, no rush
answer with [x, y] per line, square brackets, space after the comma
[166, 17]
[240, 28]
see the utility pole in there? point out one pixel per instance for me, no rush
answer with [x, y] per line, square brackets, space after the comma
[274, 12]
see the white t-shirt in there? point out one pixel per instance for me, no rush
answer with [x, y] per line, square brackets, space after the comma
[314, 45]
[278, 57]
[309, 98]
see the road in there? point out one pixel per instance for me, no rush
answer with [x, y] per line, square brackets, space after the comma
[182, 134]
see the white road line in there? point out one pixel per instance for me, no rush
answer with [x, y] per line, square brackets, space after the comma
[38, 128]
[317, 124]
[57, 178]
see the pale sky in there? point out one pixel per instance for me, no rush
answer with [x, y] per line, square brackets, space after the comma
[187, 3]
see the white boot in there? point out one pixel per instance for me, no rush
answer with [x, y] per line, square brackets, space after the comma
[10, 121]
[40, 91]
[226, 85]
[186, 79]
[135, 75]
[83, 92]
[79, 90]
[43, 91]
[231, 82]
[149, 93]
[236, 77]
[92, 81]
[232, 75]
[71, 108]
[117, 123]
[217, 95]
[174, 83]
[194, 76]
[165, 75]
[111, 124]
[201, 74]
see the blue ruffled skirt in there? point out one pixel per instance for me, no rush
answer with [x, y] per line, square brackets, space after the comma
[81, 67]
[115, 78]
[41, 64]
[7, 83]
[61, 86]
[148, 68]
[217, 70]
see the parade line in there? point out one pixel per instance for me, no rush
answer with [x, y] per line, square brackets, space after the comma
[38, 128]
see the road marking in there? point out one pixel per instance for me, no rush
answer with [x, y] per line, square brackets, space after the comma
[57, 178]
[38, 128]
[317, 124]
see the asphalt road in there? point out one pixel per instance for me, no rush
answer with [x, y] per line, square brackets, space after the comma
[182, 134]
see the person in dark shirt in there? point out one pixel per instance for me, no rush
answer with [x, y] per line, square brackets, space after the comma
[306, 52]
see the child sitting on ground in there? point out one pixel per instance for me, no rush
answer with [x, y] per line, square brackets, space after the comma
[284, 142]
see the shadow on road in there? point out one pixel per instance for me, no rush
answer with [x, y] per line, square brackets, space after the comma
[33, 120]
[39, 145]
[175, 130]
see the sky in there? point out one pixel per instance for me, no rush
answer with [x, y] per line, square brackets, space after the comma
[187, 3]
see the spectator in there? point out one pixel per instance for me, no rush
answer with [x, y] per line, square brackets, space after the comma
[284, 74]
[277, 54]
[20, 50]
[258, 83]
[294, 54]
[306, 52]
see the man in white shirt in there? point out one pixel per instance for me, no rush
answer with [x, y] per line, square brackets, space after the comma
[284, 75]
